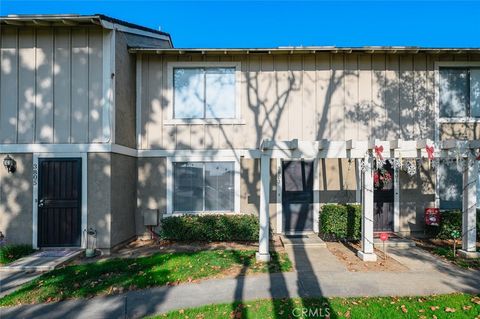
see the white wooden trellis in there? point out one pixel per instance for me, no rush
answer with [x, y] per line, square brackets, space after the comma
[364, 151]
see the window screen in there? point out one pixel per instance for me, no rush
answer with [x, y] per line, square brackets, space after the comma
[202, 186]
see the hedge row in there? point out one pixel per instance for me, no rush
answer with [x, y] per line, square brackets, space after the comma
[450, 221]
[341, 222]
[243, 227]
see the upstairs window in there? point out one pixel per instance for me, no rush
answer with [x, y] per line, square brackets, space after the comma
[459, 92]
[204, 93]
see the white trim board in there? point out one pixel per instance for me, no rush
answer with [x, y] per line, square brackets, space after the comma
[120, 27]
[67, 148]
[138, 101]
[169, 179]
[84, 177]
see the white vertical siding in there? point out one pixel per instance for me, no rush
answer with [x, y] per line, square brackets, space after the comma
[8, 81]
[26, 85]
[95, 89]
[79, 119]
[44, 86]
[61, 87]
[51, 85]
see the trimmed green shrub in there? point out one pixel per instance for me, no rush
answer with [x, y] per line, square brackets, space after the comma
[11, 252]
[450, 221]
[219, 227]
[340, 222]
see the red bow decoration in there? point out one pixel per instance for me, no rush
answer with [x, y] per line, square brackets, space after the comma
[430, 151]
[378, 151]
[478, 156]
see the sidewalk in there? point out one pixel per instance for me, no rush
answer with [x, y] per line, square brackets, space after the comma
[10, 281]
[137, 304]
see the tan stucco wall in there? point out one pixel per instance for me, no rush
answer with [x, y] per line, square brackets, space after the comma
[99, 194]
[111, 197]
[250, 189]
[124, 196]
[125, 92]
[151, 188]
[16, 200]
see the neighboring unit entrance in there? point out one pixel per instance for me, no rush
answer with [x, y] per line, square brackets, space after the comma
[297, 196]
[59, 202]
[383, 196]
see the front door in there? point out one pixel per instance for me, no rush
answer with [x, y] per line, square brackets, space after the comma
[383, 198]
[59, 202]
[297, 196]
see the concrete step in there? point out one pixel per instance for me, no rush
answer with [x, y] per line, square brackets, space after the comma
[396, 242]
[311, 240]
[44, 260]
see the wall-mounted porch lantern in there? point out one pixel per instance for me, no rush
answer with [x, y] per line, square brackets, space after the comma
[10, 164]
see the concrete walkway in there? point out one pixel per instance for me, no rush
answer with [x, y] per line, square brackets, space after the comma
[435, 277]
[10, 281]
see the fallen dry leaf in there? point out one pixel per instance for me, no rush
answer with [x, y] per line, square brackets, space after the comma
[448, 309]
[347, 314]
[467, 307]
[404, 309]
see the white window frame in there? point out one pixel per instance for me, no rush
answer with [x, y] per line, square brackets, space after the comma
[169, 119]
[84, 204]
[202, 159]
[440, 120]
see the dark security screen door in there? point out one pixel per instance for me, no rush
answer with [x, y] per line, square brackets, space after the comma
[297, 195]
[383, 197]
[59, 202]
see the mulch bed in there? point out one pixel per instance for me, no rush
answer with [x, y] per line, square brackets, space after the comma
[444, 249]
[347, 254]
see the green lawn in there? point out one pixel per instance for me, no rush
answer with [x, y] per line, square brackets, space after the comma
[447, 252]
[442, 306]
[118, 275]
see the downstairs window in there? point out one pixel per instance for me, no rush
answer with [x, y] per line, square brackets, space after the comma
[203, 186]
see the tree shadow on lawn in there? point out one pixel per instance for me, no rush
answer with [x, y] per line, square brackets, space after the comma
[118, 275]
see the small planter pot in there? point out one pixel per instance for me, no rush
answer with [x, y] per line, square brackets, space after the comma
[89, 252]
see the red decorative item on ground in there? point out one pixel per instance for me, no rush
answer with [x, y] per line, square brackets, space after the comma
[432, 216]
[383, 236]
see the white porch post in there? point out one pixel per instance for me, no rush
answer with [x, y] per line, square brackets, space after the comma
[367, 253]
[469, 215]
[263, 253]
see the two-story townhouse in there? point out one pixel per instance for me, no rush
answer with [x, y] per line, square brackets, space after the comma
[279, 132]
[276, 132]
[67, 106]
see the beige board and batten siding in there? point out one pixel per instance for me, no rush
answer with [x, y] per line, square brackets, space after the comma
[332, 96]
[51, 84]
